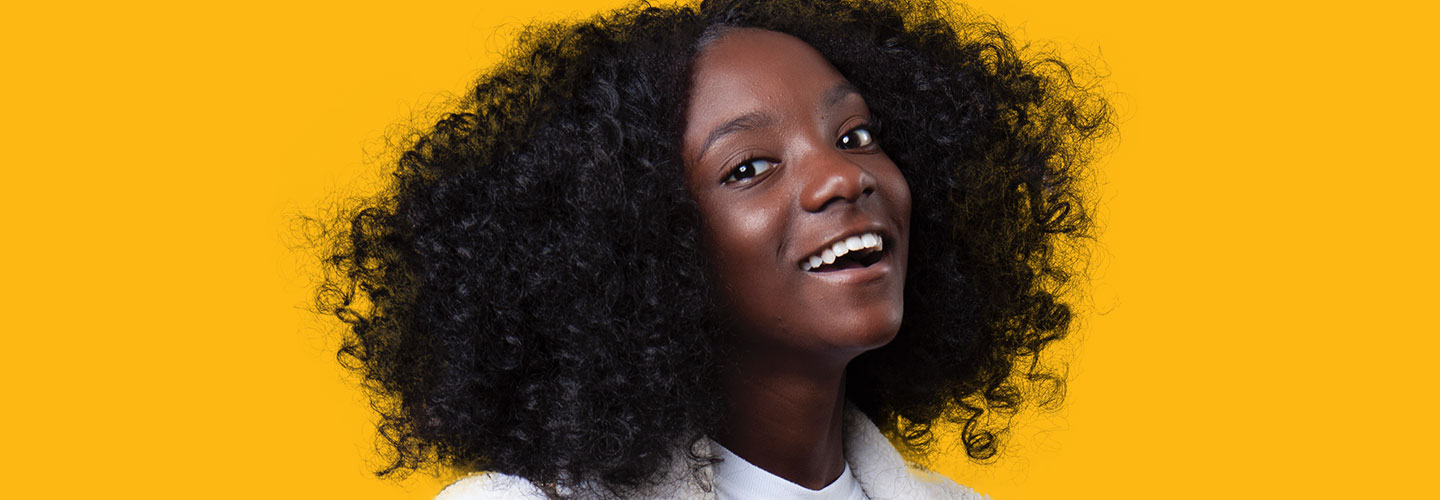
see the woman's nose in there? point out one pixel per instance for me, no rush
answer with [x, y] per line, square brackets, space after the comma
[831, 177]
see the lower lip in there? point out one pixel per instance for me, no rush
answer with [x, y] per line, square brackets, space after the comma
[854, 275]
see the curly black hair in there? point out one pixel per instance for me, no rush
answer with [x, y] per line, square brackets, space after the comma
[528, 294]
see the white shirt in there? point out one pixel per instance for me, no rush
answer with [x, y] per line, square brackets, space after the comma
[738, 479]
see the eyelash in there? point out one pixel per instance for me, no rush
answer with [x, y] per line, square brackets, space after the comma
[867, 135]
[735, 173]
[747, 168]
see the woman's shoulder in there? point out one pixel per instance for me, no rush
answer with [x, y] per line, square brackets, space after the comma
[491, 485]
[680, 483]
[884, 473]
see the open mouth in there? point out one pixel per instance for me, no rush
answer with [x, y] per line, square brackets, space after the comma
[849, 253]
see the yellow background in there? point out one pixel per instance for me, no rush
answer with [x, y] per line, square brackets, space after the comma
[1262, 323]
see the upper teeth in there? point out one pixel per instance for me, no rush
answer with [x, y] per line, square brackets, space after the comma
[865, 241]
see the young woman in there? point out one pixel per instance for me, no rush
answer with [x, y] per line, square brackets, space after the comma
[722, 251]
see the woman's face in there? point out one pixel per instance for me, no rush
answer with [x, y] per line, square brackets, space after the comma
[781, 161]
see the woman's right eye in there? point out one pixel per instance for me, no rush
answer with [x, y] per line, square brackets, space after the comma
[749, 168]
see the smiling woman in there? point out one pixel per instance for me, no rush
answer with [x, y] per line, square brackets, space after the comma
[724, 250]
[780, 240]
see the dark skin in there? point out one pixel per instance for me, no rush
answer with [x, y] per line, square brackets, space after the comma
[782, 163]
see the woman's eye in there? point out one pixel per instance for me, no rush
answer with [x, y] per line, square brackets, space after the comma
[748, 169]
[859, 137]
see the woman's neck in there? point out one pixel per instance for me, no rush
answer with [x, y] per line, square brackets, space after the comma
[787, 418]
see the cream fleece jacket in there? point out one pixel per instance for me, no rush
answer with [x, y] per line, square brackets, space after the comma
[882, 472]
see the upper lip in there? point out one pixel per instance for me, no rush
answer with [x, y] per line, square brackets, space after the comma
[856, 230]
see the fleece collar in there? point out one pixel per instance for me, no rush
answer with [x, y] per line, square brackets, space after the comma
[881, 471]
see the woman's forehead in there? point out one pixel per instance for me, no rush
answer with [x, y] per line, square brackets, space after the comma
[759, 56]
[750, 71]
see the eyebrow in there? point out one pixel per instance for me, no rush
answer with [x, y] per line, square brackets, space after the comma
[838, 93]
[748, 121]
[757, 119]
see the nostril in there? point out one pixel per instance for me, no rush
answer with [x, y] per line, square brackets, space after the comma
[827, 203]
[835, 179]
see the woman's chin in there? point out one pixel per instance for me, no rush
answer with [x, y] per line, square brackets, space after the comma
[868, 329]
[877, 338]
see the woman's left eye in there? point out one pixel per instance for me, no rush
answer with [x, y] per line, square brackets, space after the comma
[750, 168]
[858, 137]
